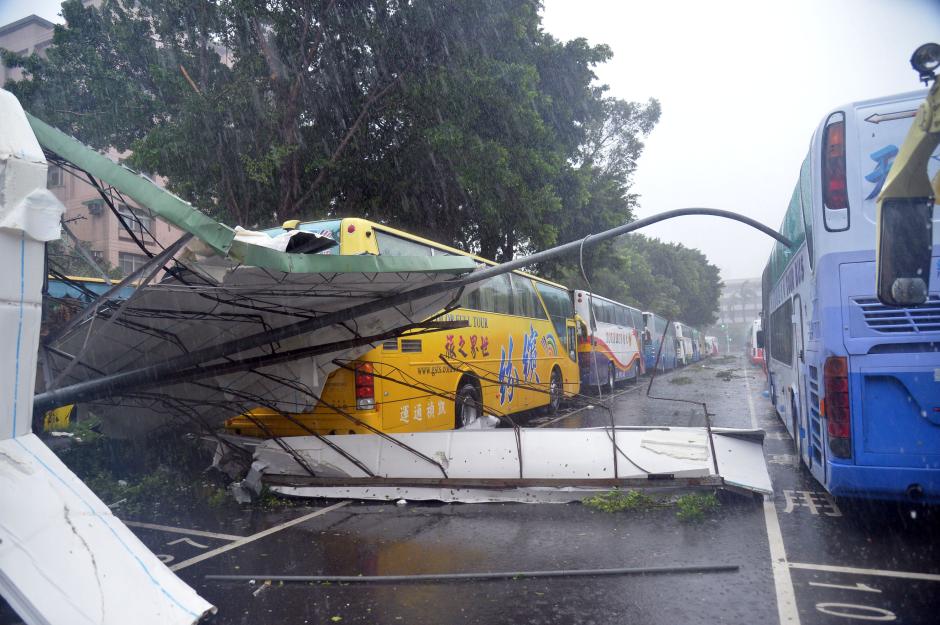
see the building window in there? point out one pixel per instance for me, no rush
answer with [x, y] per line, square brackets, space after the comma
[138, 220]
[129, 263]
[54, 176]
[95, 207]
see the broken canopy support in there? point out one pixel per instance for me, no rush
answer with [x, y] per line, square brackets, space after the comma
[449, 577]
[121, 383]
[80, 248]
[148, 271]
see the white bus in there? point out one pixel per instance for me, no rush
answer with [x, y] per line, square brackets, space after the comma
[856, 383]
[755, 353]
[610, 348]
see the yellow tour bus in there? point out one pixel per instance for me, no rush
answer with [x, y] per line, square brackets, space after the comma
[518, 352]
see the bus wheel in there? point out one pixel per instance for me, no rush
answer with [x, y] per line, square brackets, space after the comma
[611, 377]
[468, 406]
[556, 390]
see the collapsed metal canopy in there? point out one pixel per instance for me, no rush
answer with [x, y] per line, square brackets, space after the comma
[232, 288]
[532, 465]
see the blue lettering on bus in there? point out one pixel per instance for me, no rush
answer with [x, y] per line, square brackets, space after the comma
[529, 355]
[508, 374]
[883, 158]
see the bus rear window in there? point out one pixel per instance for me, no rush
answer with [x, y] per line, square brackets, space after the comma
[325, 227]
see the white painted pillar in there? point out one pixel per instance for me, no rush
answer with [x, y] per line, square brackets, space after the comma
[29, 216]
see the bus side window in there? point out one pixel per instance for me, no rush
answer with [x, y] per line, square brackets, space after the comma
[781, 333]
[637, 319]
[560, 309]
[471, 300]
[493, 295]
[525, 302]
[501, 295]
[391, 245]
[623, 317]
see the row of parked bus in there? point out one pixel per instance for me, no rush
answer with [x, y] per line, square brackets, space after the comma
[528, 343]
[619, 342]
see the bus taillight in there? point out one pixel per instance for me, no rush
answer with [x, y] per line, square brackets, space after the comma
[835, 191]
[838, 413]
[365, 387]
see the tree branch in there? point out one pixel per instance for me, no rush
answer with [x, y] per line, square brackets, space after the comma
[342, 144]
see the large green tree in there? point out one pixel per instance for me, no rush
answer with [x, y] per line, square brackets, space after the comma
[463, 121]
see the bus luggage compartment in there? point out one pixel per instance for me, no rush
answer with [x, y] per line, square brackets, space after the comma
[900, 413]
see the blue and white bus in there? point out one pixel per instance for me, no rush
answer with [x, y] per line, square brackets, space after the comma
[857, 383]
[655, 326]
[609, 348]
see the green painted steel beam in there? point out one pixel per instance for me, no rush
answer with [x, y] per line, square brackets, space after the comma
[220, 237]
[167, 206]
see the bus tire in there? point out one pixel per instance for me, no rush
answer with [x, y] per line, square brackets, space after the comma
[611, 377]
[556, 391]
[468, 405]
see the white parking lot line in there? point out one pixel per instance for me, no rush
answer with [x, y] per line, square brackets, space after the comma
[851, 570]
[181, 530]
[248, 539]
[783, 583]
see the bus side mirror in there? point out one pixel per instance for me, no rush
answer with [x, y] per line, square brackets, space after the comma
[905, 245]
[760, 339]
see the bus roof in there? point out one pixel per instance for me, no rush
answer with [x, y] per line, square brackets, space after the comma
[422, 240]
[607, 299]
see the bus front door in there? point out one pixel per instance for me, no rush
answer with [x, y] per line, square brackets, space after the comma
[798, 402]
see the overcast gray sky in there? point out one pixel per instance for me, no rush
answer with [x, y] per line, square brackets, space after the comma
[742, 83]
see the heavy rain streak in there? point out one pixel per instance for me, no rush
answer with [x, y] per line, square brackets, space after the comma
[435, 311]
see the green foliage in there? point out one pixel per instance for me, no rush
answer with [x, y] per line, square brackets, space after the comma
[269, 500]
[464, 122]
[85, 430]
[139, 476]
[727, 374]
[617, 501]
[667, 278]
[694, 506]
[218, 498]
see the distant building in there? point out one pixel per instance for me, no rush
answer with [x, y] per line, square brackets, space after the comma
[87, 214]
[740, 301]
[24, 36]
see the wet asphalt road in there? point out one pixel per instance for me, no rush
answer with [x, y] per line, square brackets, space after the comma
[842, 563]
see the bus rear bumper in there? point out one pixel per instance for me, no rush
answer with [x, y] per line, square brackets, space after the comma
[915, 485]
